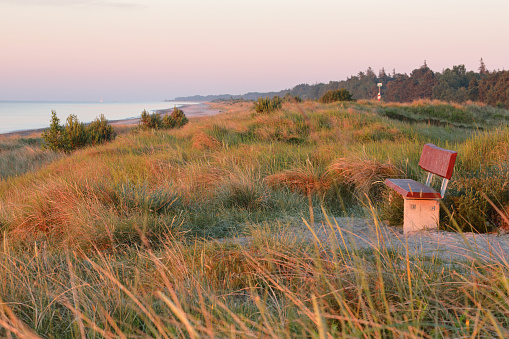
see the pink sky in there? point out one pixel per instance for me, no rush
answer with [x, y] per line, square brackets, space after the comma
[154, 49]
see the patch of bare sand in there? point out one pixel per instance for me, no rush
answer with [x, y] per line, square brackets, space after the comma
[191, 111]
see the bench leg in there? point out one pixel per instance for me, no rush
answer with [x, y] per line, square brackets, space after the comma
[420, 214]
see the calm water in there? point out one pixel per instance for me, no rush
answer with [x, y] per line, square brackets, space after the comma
[23, 115]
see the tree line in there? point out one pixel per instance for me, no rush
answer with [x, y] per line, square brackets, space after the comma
[454, 84]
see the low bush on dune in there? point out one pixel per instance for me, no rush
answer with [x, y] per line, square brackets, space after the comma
[175, 119]
[75, 134]
[267, 105]
[150, 121]
[337, 95]
[100, 131]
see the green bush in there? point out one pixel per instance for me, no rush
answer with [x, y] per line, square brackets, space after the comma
[150, 121]
[266, 105]
[100, 131]
[75, 134]
[54, 136]
[176, 119]
[337, 95]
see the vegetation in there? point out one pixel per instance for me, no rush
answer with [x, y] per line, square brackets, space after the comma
[19, 155]
[337, 95]
[291, 98]
[115, 240]
[100, 131]
[75, 134]
[267, 105]
[454, 84]
[175, 119]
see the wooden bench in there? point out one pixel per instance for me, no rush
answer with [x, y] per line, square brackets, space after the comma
[421, 207]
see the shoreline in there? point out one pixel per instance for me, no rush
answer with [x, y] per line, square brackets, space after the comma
[201, 109]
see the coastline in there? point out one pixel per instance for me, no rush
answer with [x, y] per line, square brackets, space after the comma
[201, 109]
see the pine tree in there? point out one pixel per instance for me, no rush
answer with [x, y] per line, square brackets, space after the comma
[54, 136]
[482, 68]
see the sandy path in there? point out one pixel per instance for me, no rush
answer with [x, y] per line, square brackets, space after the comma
[447, 246]
[363, 234]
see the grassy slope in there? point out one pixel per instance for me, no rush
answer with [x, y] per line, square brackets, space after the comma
[128, 212]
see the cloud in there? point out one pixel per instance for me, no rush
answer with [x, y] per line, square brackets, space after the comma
[76, 3]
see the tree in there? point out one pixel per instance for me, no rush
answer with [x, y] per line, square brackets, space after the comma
[482, 68]
[494, 88]
[452, 85]
[423, 81]
[54, 136]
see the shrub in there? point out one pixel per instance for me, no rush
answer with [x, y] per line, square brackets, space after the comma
[176, 119]
[54, 135]
[337, 95]
[100, 131]
[150, 121]
[266, 105]
[75, 134]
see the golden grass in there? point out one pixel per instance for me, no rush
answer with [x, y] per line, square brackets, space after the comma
[61, 213]
[277, 285]
[364, 175]
[202, 141]
[300, 180]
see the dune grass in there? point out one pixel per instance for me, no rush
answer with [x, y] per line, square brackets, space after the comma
[119, 240]
[277, 285]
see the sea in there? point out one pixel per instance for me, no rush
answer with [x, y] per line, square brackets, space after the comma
[26, 115]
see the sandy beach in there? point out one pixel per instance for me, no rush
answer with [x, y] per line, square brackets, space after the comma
[191, 111]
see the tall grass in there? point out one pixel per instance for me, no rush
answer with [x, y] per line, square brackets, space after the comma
[238, 167]
[21, 155]
[126, 239]
[278, 284]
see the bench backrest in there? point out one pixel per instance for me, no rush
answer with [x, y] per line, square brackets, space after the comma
[439, 161]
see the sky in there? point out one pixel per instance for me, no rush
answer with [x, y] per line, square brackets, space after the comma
[151, 50]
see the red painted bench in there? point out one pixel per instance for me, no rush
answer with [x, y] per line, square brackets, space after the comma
[421, 209]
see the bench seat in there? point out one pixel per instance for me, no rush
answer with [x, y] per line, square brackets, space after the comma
[411, 189]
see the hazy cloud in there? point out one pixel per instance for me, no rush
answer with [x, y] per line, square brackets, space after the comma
[76, 3]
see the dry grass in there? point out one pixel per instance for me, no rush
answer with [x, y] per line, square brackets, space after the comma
[278, 285]
[202, 141]
[301, 181]
[366, 176]
[72, 214]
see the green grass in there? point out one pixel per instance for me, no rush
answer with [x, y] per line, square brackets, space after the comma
[121, 239]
